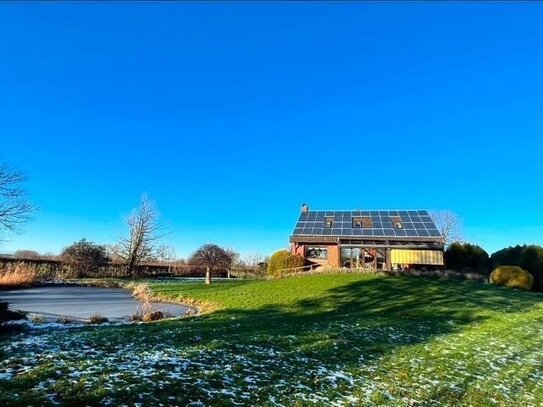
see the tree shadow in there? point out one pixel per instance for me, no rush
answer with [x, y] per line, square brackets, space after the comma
[375, 314]
[341, 329]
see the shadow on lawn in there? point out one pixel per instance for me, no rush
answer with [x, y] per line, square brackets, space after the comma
[374, 315]
[342, 328]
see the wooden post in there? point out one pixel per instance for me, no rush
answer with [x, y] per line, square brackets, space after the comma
[388, 266]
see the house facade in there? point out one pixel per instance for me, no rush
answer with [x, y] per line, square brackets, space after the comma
[383, 240]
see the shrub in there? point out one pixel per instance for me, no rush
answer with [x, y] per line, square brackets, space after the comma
[513, 277]
[284, 260]
[153, 316]
[529, 257]
[84, 258]
[97, 319]
[18, 275]
[65, 319]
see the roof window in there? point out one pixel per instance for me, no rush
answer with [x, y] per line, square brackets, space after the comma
[362, 222]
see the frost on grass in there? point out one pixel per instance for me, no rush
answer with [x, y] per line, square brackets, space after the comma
[165, 367]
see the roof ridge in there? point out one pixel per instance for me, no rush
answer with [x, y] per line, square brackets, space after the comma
[354, 210]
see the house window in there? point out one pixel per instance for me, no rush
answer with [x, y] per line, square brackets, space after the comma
[328, 221]
[362, 222]
[317, 253]
[396, 222]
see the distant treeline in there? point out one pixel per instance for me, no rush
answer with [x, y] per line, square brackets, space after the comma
[466, 257]
[53, 267]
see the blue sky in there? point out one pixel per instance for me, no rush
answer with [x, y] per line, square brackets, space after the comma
[230, 116]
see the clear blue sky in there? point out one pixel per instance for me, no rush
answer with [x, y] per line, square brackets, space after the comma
[230, 116]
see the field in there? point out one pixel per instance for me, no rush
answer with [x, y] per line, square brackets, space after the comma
[316, 340]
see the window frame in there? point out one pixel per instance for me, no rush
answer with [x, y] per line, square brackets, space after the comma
[321, 249]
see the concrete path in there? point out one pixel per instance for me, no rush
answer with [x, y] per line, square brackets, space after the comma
[81, 302]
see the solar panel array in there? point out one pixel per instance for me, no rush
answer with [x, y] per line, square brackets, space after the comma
[414, 224]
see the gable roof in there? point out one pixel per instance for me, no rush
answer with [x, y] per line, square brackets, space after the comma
[415, 224]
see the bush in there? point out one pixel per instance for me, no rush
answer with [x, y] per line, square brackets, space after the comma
[84, 258]
[528, 257]
[282, 260]
[513, 277]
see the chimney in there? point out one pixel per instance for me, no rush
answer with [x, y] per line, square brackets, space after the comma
[305, 208]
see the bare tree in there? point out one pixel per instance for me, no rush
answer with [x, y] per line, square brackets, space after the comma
[213, 258]
[449, 225]
[253, 259]
[144, 234]
[235, 260]
[15, 209]
[166, 254]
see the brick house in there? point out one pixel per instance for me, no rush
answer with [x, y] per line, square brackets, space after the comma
[384, 240]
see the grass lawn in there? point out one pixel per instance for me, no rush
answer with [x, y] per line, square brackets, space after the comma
[316, 340]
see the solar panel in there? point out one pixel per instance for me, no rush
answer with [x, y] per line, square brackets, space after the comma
[413, 224]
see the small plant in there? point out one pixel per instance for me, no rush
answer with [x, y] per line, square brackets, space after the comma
[65, 319]
[153, 316]
[37, 318]
[97, 319]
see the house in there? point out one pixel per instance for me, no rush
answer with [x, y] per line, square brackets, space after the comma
[385, 240]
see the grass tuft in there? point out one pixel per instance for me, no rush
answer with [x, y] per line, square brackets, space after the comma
[37, 318]
[97, 319]
[65, 319]
[19, 274]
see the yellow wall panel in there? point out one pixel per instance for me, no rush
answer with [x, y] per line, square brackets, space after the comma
[402, 256]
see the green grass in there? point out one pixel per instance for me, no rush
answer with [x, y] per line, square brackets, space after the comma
[324, 340]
